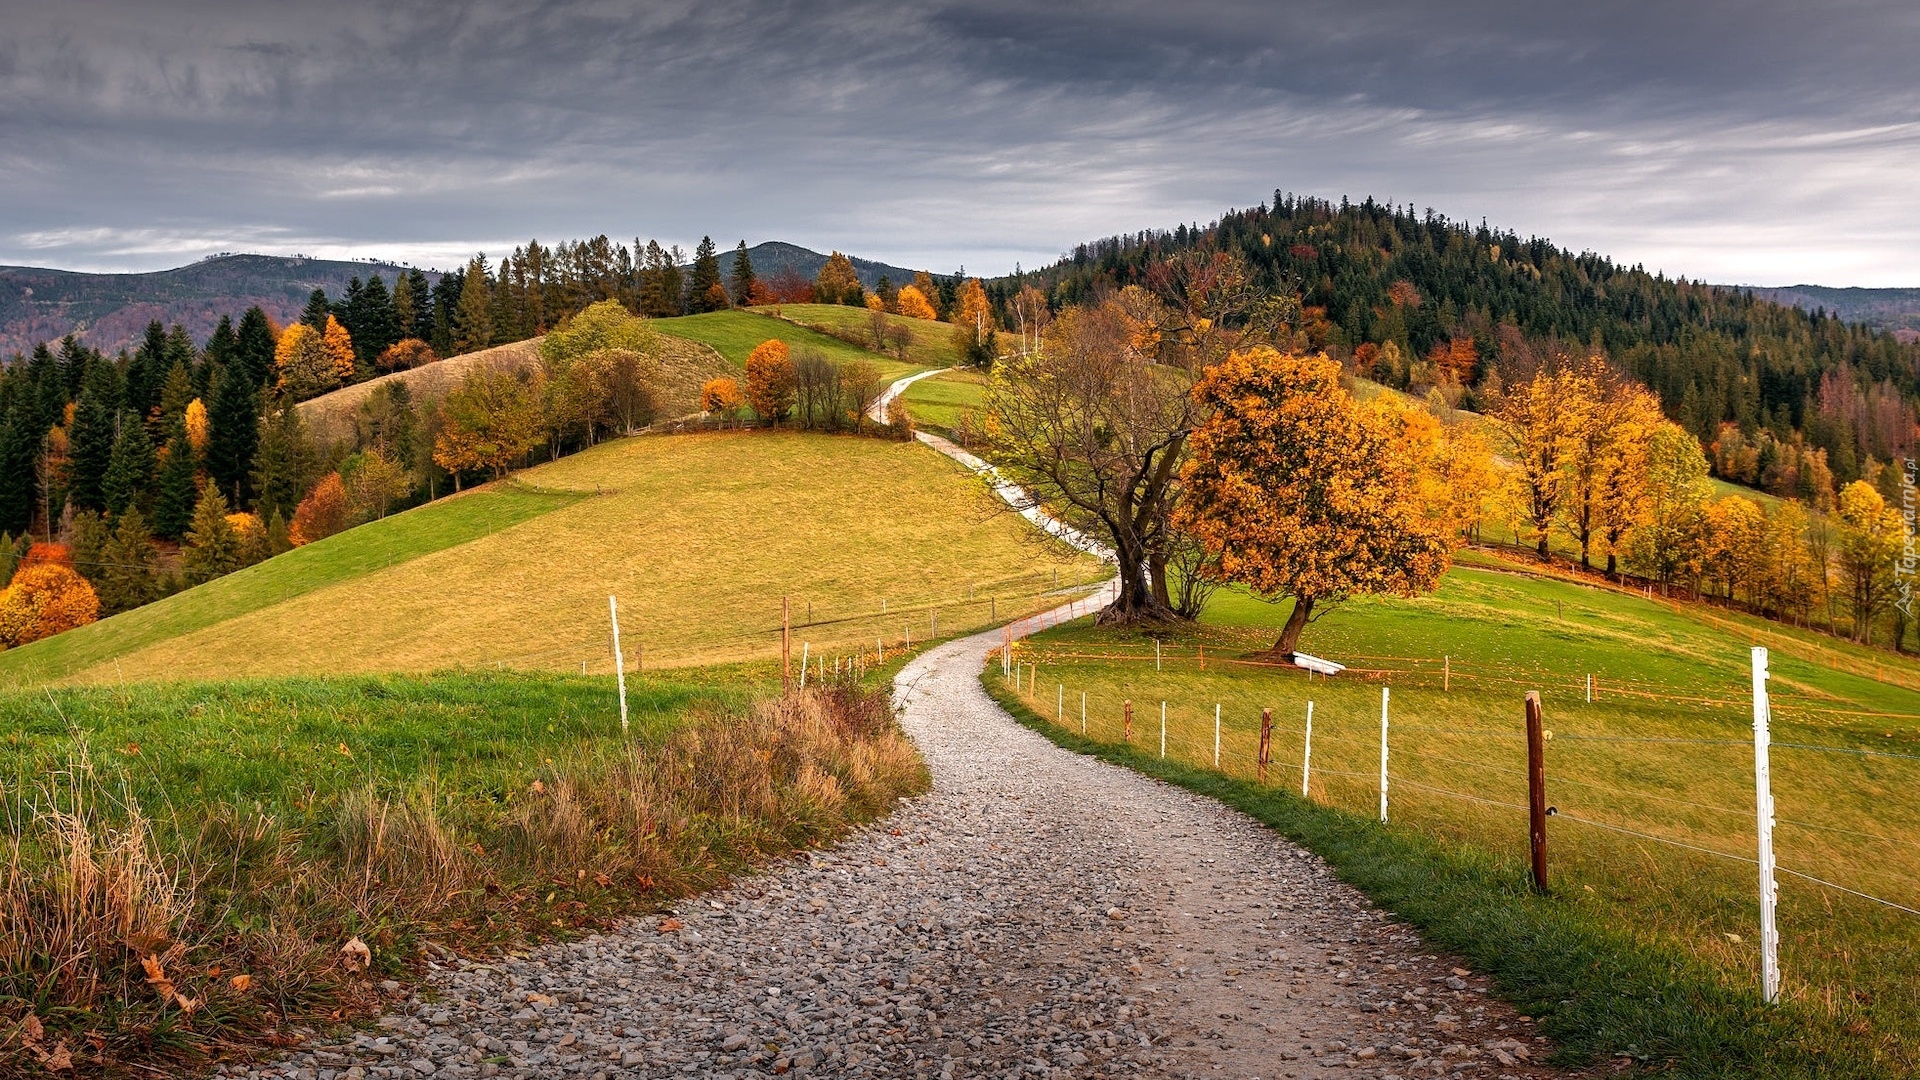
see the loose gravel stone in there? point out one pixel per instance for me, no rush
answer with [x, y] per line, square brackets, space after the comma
[1037, 914]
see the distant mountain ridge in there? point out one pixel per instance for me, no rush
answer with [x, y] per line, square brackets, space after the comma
[1896, 310]
[110, 311]
[776, 257]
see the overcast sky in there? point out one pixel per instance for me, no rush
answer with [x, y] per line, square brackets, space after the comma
[1760, 142]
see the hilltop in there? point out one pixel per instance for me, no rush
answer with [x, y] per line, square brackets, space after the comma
[110, 311]
[1894, 310]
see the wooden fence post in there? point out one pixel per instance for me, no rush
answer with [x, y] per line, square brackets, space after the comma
[1266, 741]
[1446, 673]
[1537, 790]
[1129, 710]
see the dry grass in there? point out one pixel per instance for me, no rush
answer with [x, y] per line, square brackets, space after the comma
[684, 366]
[700, 536]
[120, 940]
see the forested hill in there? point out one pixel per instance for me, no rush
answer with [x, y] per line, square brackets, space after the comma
[1897, 310]
[1413, 297]
[111, 311]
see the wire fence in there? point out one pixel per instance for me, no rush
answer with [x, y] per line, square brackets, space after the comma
[1608, 786]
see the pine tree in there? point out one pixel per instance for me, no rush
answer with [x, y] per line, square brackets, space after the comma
[424, 304]
[49, 388]
[19, 446]
[279, 542]
[446, 302]
[175, 393]
[212, 548]
[147, 371]
[234, 430]
[129, 466]
[379, 322]
[743, 278]
[404, 308]
[285, 465]
[705, 277]
[74, 360]
[129, 569]
[253, 354]
[177, 488]
[87, 536]
[317, 310]
[473, 321]
[90, 443]
[223, 345]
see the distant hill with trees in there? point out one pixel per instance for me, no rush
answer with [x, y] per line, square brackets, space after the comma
[110, 312]
[774, 259]
[1893, 310]
[1775, 393]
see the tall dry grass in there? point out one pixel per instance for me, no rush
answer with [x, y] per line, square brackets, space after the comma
[125, 938]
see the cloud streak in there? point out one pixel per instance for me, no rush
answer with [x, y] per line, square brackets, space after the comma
[1739, 143]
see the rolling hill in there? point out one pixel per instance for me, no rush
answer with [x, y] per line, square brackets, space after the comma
[774, 258]
[1894, 310]
[111, 310]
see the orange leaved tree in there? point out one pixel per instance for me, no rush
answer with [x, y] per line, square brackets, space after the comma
[43, 600]
[913, 303]
[770, 380]
[1294, 490]
[721, 397]
[491, 420]
[339, 345]
[322, 513]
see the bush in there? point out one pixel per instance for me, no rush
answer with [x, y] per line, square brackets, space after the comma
[43, 600]
[406, 355]
[322, 513]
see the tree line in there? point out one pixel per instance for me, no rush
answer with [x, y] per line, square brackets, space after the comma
[1783, 399]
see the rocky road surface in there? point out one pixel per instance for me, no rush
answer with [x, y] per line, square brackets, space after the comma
[1036, 914]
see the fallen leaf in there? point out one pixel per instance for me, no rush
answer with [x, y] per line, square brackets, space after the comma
[1735, 938]
[343, 751]
[59, 1060]
[241, 982]
[580, 875]
[31, 1030]
[538, 788]
[669, 925]
[157, 977]
[131, 748]
[356, 955]
[602, 880]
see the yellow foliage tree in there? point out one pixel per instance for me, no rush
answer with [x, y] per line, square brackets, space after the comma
[1542, 419]
[1872, 537]
[913, 304]
[197, 430]
[770, 379]
[44, 599]
[721, 396]
[838, 283]
[339, 349]
[1296, 491]
[491, 421]
[302, 365]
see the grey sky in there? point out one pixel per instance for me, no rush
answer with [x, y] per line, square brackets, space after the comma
[1759, 142]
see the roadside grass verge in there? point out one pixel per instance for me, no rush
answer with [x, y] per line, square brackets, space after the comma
[1598, 992]
[184, 863]
[700, 536]
[1664, 751]
[340, 559]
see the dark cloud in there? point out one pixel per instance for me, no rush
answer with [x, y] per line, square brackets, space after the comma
[1755, 141]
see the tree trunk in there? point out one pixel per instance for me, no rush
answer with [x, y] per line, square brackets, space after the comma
[1542, 547]
[1612, 570]
[1157, 573]
[1296, 622]
[1586, 548]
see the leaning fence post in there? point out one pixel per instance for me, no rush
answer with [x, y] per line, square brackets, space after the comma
[786, 647]
[1763, 804]
[1537, 790]
[1306, 753]
[1383, 755]
[1266, 742]
[805, 647]
[619, 662]
[1129, 711]
[1589, 688]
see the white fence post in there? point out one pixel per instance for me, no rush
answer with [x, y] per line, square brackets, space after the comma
[1306, 752]
[1216, 735]
[1763, 803]
[619, 662]
[1083, 713]
[1383, 755]
[804, 646]
[1060, 704]
[1163, 730]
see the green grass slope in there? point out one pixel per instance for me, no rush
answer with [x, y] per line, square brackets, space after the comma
[734, 334]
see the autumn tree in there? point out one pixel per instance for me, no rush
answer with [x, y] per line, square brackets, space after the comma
[1871, 537]
[303, 365]
[1031, 313]
[721, 397]
[490, 421]
[212, 548]
[339, 345]
[914, 304]
[770, 379]
[1676, 489]
[1540, 422]
[1296, 491]
[838, 283]
[973, 328]
[861, 385]
[322, 513]
[374, 482]
[405, 355]
[472, 328]
[43, 600]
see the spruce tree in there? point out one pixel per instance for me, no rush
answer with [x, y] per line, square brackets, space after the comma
[403, 307]
[223, 345]
[147, 370]
[279, 541]
[473, 318]
[446, 300]
[129, 466]
[49, 388]
[233, 430]
[90, 442]
[424, 302]
[743, 278]
[176, 490]
[175, 394]
[705, 277]
[129, 570]
[19, 449]
[212, 548]
[75, 358]
[253, 348]
[285, 465]
[87, 537]
[317, 310]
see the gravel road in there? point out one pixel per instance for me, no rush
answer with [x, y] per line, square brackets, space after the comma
[1036, 914]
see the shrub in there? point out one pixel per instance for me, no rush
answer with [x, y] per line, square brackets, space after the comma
[43, 600]
[322, 513]
[770, 380]
[406, 355]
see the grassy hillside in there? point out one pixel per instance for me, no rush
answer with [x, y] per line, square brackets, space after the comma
[684, 365]
[932, 344]
[942, 401]
[734, 334]
[1665, 749]
[699, 536]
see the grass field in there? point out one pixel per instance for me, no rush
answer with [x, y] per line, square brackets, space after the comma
[942, 400]
[1665, 750]
[734, 334]
[931, 345]
[700, 536]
